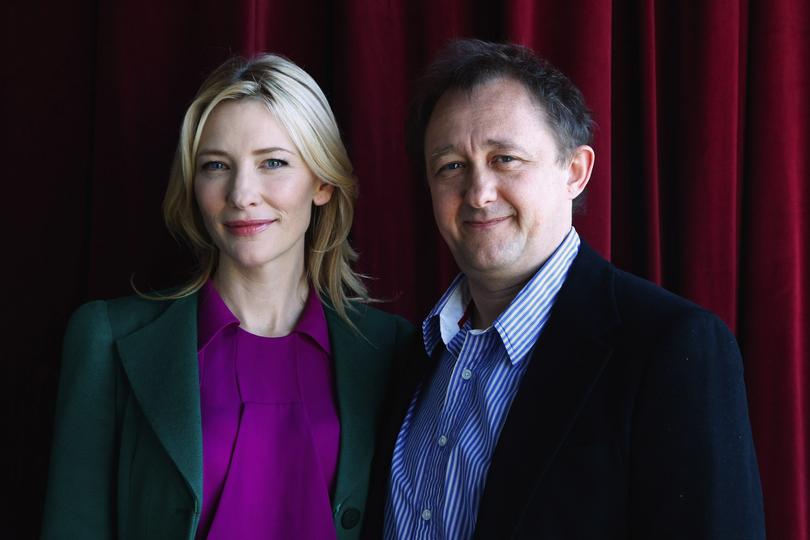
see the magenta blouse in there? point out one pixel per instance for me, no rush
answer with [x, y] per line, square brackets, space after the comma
[269, 424]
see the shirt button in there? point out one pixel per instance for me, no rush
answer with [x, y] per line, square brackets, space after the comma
[426, 514]
[466, 374]
[442, 440]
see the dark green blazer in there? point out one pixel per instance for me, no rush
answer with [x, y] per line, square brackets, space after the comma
[127, 451]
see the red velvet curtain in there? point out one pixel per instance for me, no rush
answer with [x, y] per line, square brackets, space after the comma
[700, 181]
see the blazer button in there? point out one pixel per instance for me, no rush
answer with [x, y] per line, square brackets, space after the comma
[350, 518]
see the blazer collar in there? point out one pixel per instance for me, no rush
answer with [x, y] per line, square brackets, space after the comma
[567, 361]
[160, 361]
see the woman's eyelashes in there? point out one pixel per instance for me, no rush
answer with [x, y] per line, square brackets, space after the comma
[274, 163]
[213, 166]
[270, 163]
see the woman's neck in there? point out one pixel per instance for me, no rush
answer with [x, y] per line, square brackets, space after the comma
[267, 303]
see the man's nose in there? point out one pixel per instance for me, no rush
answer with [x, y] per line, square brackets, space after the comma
[245, 189]
[482, 187]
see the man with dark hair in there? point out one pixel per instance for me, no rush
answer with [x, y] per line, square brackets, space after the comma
[563, 398]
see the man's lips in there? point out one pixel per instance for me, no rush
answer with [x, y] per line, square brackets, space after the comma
[485, 223]
[248, 227]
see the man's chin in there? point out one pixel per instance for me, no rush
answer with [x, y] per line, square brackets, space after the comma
[485, 264]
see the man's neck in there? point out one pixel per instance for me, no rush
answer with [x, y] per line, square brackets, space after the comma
[490, 297]
[493, 291]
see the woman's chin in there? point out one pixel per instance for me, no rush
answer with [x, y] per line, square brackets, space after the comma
[256, 262]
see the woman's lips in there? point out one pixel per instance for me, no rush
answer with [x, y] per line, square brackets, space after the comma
[248, 228]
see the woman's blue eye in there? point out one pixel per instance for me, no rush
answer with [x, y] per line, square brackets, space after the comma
[213, 166]
[273, 163]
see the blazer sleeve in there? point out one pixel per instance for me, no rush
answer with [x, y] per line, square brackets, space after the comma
[80, 498]
[693, 469]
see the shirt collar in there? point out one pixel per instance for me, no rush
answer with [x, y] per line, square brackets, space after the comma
[313, 321]
[213, 315]
[449, 314]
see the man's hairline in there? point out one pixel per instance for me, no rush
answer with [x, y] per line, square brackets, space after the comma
[563, 154]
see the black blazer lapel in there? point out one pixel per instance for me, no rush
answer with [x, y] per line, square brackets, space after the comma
[565, 364]
[414, 370]
[160, 361]
[412, 366]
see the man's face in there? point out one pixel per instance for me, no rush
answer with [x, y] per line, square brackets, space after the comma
[501, 199]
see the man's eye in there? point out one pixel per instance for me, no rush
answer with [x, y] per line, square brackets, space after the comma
[504, 159]
[213, 166]
[273, 163]
[453, 166]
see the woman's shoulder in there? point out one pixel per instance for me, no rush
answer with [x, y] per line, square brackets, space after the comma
[121, 316]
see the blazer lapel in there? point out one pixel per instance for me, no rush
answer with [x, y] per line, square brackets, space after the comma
[360, 373]
[415, 369]
[411, 367]
[565, 364]
[160, 361]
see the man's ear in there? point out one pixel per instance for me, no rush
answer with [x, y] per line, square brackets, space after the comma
[579, 170]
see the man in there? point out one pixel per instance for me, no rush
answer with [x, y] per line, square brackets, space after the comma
[563, 398]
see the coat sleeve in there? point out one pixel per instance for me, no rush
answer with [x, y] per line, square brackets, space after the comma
[693, 469]
[80, 498]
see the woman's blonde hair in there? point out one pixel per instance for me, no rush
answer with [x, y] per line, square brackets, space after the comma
[297, 102]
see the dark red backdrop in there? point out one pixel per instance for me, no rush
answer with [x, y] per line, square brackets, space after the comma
[700, 181]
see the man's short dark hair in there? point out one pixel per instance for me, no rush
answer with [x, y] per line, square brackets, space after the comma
[467, 63]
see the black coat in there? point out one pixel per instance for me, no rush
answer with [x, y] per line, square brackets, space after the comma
[630, 422]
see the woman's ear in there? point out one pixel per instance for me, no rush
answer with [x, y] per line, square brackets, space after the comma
[323, 193]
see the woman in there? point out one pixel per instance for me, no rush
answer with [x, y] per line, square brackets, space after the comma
[243, 405]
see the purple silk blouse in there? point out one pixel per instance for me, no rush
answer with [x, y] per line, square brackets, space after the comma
[269, 424]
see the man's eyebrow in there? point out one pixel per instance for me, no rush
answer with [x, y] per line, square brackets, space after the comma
[505, 144]
[441, 151]
[498, 144]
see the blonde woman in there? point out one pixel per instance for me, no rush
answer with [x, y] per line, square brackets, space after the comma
[245, 404]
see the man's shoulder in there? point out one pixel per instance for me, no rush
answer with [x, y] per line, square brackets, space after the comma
[638, 295]
[650, 311]
[643, 306]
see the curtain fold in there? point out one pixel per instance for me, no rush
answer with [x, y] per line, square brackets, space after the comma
[700, 181]
[774, 295]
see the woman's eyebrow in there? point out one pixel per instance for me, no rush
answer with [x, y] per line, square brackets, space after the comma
[259, 151]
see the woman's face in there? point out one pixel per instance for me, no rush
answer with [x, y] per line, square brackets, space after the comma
[253, 188]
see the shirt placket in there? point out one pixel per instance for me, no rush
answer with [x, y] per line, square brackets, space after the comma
[428, 505]
[457, 405]
[456, 400]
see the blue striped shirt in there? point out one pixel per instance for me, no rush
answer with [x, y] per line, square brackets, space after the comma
[445, 445]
